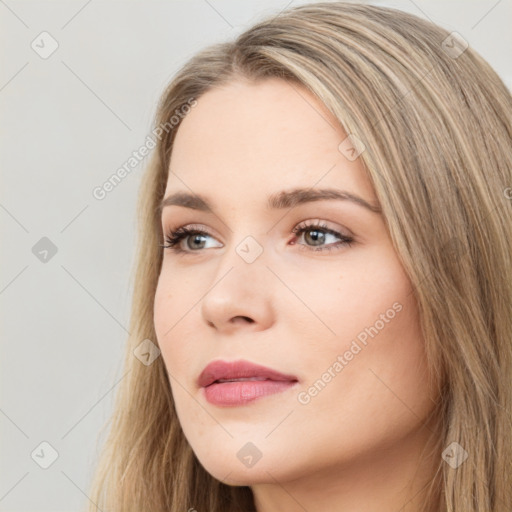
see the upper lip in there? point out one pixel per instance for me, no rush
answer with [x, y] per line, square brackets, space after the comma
[238, 369]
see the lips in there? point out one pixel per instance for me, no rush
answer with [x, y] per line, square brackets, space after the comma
[234, 371]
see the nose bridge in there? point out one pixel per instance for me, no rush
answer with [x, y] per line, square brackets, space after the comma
[240, 286]
[247, 240]
[243, 264]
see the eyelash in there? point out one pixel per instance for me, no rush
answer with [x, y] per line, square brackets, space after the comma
[173, 238]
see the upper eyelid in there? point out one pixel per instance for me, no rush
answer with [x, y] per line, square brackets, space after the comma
[308, 224]
[352, 201]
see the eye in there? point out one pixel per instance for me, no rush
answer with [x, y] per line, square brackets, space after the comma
[174, 238]
[317, 235]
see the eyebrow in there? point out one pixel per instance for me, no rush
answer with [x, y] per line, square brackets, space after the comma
[281, 200]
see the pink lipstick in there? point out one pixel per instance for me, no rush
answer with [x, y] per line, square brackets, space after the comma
[239, 382]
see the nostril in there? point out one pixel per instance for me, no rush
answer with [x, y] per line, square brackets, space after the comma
[245, 318]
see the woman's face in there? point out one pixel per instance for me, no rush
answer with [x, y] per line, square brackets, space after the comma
[338, 319]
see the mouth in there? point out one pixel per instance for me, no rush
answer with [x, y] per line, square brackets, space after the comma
[240, 382]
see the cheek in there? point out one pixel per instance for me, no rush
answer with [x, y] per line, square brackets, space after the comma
[369, 349]
[175, 296]
[162, 308]
[345, 300]
[169, 314]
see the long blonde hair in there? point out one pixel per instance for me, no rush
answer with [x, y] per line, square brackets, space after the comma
[435, 121]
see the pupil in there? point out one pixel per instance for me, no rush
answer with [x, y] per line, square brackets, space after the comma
[196, 238]
[317, 237]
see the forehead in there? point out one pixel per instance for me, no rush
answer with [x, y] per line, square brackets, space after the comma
[260, 137]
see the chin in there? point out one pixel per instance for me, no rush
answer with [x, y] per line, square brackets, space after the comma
[229, 469]
[235, 474]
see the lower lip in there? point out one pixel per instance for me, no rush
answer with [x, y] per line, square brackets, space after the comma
[243, 392]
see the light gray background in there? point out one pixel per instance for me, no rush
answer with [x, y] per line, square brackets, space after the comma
[68, 123]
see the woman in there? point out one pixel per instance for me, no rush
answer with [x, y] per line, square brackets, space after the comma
[322, 307]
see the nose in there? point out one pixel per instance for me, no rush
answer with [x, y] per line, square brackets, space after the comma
[239, 296]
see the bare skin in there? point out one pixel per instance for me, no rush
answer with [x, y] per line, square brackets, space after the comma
[353, 443]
